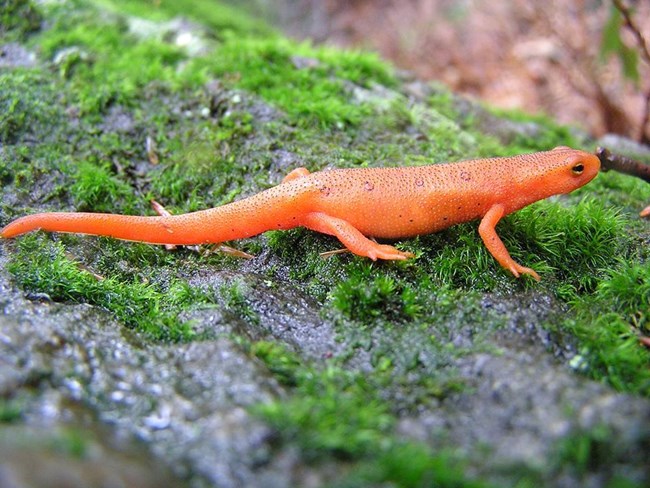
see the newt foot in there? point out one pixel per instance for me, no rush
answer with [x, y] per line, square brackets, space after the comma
[517, 270]
[384, 251]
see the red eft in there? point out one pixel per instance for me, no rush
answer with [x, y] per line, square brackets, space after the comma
[354, 204]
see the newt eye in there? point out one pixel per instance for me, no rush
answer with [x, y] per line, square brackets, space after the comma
[578, 169]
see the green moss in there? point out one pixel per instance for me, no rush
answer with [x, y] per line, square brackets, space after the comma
[18, 18]
[234, 298]
[313, 418]
[123, 261]
[336, 413]
[607, 326]
[333, 412]
[203, 171]
[43, 267]
[219, 17]
[457, 257]
[364, 297]
[299, 251]
[585, 450]
[624, 192]
[574, 243]
[627, 291]
[547, 134]
[94, 55]
[71, 443]
[284, 366]
[267, 67]
[443, 100]
[10, 411]
[412, 466]
[97, 189]
[28, 102]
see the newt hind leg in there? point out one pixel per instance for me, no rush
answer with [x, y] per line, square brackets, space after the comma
[351, 238]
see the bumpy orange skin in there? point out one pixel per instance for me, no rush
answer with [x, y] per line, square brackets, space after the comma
[354, 204]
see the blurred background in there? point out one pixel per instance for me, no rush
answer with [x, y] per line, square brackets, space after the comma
[575, 60]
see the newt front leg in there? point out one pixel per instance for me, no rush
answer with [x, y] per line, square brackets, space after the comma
[494, 244]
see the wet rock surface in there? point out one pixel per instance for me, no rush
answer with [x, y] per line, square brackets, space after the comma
[187, 405]
[187, 402]
[284, 314]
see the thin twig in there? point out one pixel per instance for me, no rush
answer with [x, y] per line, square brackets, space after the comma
[645, 54]
[622, 164]
[630, 24]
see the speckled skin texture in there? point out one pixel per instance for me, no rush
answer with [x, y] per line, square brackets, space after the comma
[353, 204]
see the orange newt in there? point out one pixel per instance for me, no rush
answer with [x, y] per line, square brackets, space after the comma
[354, 204]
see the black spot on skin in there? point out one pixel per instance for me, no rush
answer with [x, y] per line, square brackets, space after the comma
[419, 182]
[325, 190]
[410, 220]
[465, 176]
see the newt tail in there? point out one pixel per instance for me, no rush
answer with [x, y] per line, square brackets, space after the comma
[236, 220]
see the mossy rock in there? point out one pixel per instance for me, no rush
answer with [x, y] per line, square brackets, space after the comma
[439, 371]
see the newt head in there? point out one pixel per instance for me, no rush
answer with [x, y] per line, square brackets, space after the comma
[541, 175]
[575, 169]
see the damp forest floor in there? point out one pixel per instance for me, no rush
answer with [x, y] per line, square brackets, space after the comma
[128, 363]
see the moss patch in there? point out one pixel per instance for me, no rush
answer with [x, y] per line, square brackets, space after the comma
[18, 19]
[28, 106]
[43, 267]
[338, 413]
[608, 324]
